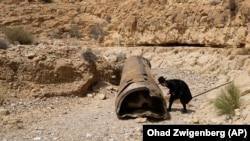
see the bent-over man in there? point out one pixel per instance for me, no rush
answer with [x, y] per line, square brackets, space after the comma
[178, 89]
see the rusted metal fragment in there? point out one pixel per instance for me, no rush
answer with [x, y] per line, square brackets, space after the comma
[138, 93]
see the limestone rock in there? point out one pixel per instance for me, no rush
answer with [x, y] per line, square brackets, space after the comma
[183, 22]
[4, 111]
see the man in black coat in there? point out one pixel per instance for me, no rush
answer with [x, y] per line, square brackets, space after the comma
[178, 89]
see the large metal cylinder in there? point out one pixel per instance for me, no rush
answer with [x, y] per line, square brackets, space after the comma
[138, 93]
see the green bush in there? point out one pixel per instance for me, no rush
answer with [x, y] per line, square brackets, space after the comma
[228, 100]
[20, 35]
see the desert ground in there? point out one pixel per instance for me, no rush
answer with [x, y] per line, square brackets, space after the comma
[32, 115]
[63, 84]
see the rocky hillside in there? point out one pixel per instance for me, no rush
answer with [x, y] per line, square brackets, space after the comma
[51, 92]
[219, 23]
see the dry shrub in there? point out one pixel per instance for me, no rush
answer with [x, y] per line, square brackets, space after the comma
[20, 35]
[3, 44]
[228, 100]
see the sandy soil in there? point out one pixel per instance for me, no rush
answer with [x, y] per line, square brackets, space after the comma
[90, 118]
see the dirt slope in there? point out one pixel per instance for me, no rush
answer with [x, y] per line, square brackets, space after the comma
[75, 118]
[93, 118]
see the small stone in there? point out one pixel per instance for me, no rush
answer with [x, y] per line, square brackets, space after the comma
[195, 120]
[31, 55]
[109, 88]
[90, 95]
[139, 129]
[88, 135]
[237, 112]
[141, 120]
[55, 138]
[37, 138]
[101, 96]
[4, 111]
[36, 59]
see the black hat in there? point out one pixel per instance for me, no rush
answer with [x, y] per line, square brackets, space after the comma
[161, 79]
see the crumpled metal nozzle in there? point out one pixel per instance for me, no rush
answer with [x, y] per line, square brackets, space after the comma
[139, 94]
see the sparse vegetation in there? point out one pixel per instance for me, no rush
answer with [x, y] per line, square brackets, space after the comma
[20, 35]
[47, 1]
[89, 56]
[3, 44]
[56, 35]
[176, 51]
[214, 2]
[233, 6]
[120, 57]
[75, 33]
[228, 100]
[97, 33]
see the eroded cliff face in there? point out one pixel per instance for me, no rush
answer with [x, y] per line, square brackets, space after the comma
[63, 28]
[46, 71]
[135, 22]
